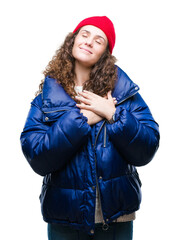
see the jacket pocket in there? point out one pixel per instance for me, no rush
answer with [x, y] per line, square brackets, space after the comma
[53, 114]
[63, 205]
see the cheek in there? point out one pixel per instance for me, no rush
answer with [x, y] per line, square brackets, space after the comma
[100, 52]
[77, 42]
[74, 49]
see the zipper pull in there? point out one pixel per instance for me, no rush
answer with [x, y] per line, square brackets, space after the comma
[105, 226]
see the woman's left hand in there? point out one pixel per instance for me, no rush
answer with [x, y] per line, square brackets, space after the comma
[103, 106]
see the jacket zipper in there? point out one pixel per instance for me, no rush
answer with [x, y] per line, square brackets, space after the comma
[57, 111]
[105, 226]
[127, 98]
[99, 132]
[104, 145]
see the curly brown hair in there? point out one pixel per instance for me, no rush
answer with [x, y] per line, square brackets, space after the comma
[102, 76]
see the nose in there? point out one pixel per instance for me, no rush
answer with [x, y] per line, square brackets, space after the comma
[89, 42]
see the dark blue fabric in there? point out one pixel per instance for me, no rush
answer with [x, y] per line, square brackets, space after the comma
[71, 155]
[116, 231]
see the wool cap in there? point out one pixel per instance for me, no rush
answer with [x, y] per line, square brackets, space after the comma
[105, 24]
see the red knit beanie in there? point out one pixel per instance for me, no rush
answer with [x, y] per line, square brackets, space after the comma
[105, 24]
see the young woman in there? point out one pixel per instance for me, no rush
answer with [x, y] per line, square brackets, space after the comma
[86, 131]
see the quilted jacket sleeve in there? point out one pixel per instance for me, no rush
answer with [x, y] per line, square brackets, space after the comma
[48, 147]
[135, 133]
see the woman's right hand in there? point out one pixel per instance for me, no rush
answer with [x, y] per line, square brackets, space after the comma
[92, 117]
[102, 106]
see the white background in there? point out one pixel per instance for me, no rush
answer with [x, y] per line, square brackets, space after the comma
[147, 49]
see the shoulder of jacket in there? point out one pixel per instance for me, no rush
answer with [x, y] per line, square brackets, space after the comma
[37, 101]
[123, 77]
[124, 86]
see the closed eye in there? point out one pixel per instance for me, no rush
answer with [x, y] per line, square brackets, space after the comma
[84, 35]
[97, 41]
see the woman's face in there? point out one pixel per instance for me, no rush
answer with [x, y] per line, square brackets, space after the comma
[89, 45]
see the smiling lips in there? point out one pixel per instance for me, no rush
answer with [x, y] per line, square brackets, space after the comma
[86, 50]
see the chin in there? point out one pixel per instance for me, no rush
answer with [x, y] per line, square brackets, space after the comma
[86, 64]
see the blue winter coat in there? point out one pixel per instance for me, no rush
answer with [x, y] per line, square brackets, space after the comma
[60, 145]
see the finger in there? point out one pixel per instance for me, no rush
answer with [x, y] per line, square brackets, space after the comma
[90, 94]
[109, 95]
[83, 106]
[83, 100]
[85, 95]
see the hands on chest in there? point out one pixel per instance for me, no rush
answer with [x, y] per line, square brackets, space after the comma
[95, 107]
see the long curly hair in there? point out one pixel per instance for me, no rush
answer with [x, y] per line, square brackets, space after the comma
[101, 78]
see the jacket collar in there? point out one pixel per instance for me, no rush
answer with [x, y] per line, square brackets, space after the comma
[124, 87]
[54, 96]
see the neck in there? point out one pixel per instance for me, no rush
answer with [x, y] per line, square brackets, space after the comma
[81, 74]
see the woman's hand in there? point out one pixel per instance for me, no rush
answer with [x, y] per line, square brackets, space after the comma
[102, 106]
[92, 117]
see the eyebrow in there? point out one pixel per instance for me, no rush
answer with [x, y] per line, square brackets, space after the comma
[99, 36]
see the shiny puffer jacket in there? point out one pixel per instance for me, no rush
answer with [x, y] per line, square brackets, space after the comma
[73, 157]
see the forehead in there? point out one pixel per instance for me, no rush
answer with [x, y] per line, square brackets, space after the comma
[94, 30]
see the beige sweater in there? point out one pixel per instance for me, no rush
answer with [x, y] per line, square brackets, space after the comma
[99, 216]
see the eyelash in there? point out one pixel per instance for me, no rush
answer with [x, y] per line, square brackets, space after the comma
[85, 36]
[98, 42]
